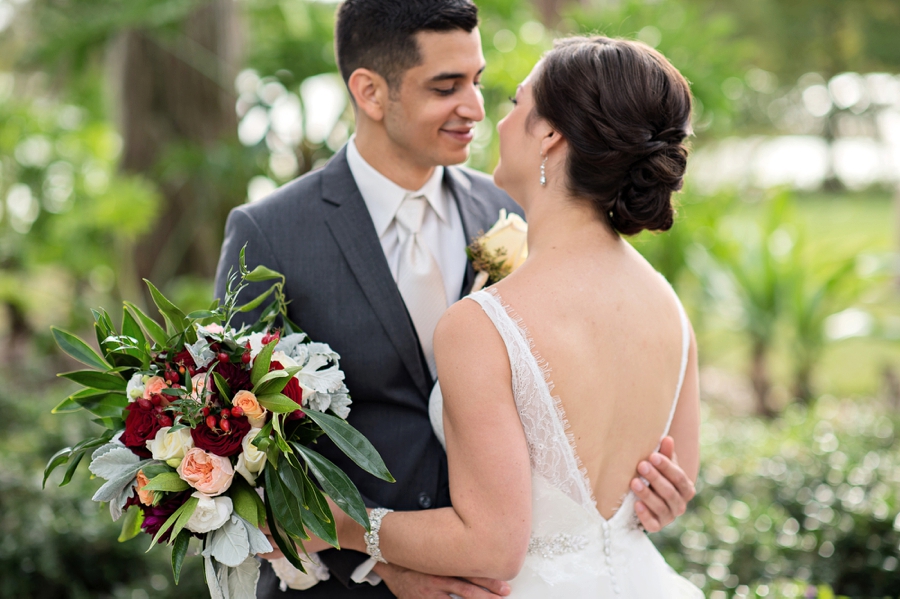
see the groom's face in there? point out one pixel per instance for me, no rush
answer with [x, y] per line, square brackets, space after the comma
[432, 112]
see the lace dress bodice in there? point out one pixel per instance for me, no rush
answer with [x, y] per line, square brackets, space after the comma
[574, 552]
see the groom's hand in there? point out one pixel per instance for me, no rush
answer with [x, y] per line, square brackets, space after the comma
[669, 492]
[409, 584]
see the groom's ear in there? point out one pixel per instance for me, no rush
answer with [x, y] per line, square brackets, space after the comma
[370, 92]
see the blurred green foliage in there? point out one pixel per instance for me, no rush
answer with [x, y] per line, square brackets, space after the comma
[811, 499]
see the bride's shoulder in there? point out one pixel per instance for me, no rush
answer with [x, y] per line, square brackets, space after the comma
[466, 332]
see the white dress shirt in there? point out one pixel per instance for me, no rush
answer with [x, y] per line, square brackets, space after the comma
[442, 228]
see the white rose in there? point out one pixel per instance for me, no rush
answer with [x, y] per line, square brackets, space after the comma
[135, 387]
[211, 513]
[509, 233]
[251, 460]
[170, 447]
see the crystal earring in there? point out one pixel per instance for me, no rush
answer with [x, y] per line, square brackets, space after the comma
[544, 172]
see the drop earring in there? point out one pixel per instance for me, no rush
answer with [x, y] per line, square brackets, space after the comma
[544, 172]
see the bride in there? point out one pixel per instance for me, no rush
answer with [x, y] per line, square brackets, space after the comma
[540, 459]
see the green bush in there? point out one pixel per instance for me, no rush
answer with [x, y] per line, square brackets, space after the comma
[809, 499]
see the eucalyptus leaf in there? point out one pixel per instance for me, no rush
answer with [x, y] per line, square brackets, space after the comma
[114, 462]
[352, 443]
[212, 580]
[117, 503]
[258, 541]
[78, 349]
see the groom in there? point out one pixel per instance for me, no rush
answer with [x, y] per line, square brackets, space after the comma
[373, 248]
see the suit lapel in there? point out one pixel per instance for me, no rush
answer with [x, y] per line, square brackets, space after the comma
[353, 230]
[473, 213]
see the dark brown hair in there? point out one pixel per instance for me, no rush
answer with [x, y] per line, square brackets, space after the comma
[380, 34]
[625, 112]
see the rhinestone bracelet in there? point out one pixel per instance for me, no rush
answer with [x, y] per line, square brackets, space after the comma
[371, 538]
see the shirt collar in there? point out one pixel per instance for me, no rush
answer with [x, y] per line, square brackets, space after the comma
[383, 197]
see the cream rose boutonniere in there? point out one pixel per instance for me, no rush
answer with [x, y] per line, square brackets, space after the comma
[500, 251]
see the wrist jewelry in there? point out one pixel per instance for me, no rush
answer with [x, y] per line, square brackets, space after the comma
[371, 538]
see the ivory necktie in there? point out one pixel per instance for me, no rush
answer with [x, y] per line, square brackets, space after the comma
[419, 276]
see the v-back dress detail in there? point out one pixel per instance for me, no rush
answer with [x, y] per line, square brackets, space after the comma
[574, 551]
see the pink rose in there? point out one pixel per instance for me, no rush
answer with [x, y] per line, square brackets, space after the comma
[154, 386]
[208, 473]
[254, 412]
[146, 497]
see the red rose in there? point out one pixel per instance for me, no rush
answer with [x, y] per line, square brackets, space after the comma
[238, 378]
[184, 358]
[295, 392]
[141, 425]
[219, 442]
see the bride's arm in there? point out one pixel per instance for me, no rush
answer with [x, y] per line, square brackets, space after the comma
[486, 532]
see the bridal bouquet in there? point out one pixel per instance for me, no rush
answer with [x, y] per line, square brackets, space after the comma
[208, 431]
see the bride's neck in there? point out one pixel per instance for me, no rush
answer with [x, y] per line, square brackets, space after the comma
[557, 222]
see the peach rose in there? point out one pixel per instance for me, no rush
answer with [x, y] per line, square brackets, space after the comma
[154, 386]
[208, 473]
[198, 386]
[146, 497]
[254, 412]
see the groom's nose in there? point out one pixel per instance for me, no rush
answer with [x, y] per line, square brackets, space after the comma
[471, 106]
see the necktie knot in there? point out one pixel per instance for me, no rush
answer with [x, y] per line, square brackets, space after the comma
[411, 213]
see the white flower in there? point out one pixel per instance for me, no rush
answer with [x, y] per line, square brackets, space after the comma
[251, 460]
[284, 359]
[211, 513]
[511, 234]
[170, 447]
[135, 387]
[256, 344]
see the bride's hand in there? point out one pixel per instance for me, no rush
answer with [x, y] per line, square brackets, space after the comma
[669, 492]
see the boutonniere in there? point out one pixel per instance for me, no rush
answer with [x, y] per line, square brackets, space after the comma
[500, 251]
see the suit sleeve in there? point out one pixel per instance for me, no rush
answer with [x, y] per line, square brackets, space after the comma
[241, 231]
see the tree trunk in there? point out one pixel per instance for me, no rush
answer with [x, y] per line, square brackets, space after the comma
[759, 377]
[550, 10]
[178, 89]
[803, 383]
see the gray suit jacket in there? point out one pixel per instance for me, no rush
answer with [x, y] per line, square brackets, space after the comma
[317, 231]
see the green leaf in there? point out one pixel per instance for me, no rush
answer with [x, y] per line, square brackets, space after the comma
[190, 506]
[131, 328]
[262, 362]
[286, 545]
[70, 469]
[156, 332]
[168, 482]
[259, 299]
[96, 380]
[179, 551]
[336, 484]
[222, 386]
[278, 403]
[153, 470]
[285, 505]
[200, 315]
[352, 443]
[262, 273]
[78, 349]
[66, 406]
[131, 524]
[246, 502]
[174, 317]
[269, 383]
[58, 459]
[104, 404]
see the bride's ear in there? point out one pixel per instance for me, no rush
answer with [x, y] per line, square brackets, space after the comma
[551, 140]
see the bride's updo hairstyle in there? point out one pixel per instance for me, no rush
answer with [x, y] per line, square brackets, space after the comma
[625, 112]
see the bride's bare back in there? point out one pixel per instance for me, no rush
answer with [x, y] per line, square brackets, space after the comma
[609, 326]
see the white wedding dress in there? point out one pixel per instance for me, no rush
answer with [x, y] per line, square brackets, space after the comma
[574, 552]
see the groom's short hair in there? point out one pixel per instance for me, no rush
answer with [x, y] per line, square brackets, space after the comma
[380, 34]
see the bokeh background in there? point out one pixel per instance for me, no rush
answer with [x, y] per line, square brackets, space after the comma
[129, 129]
